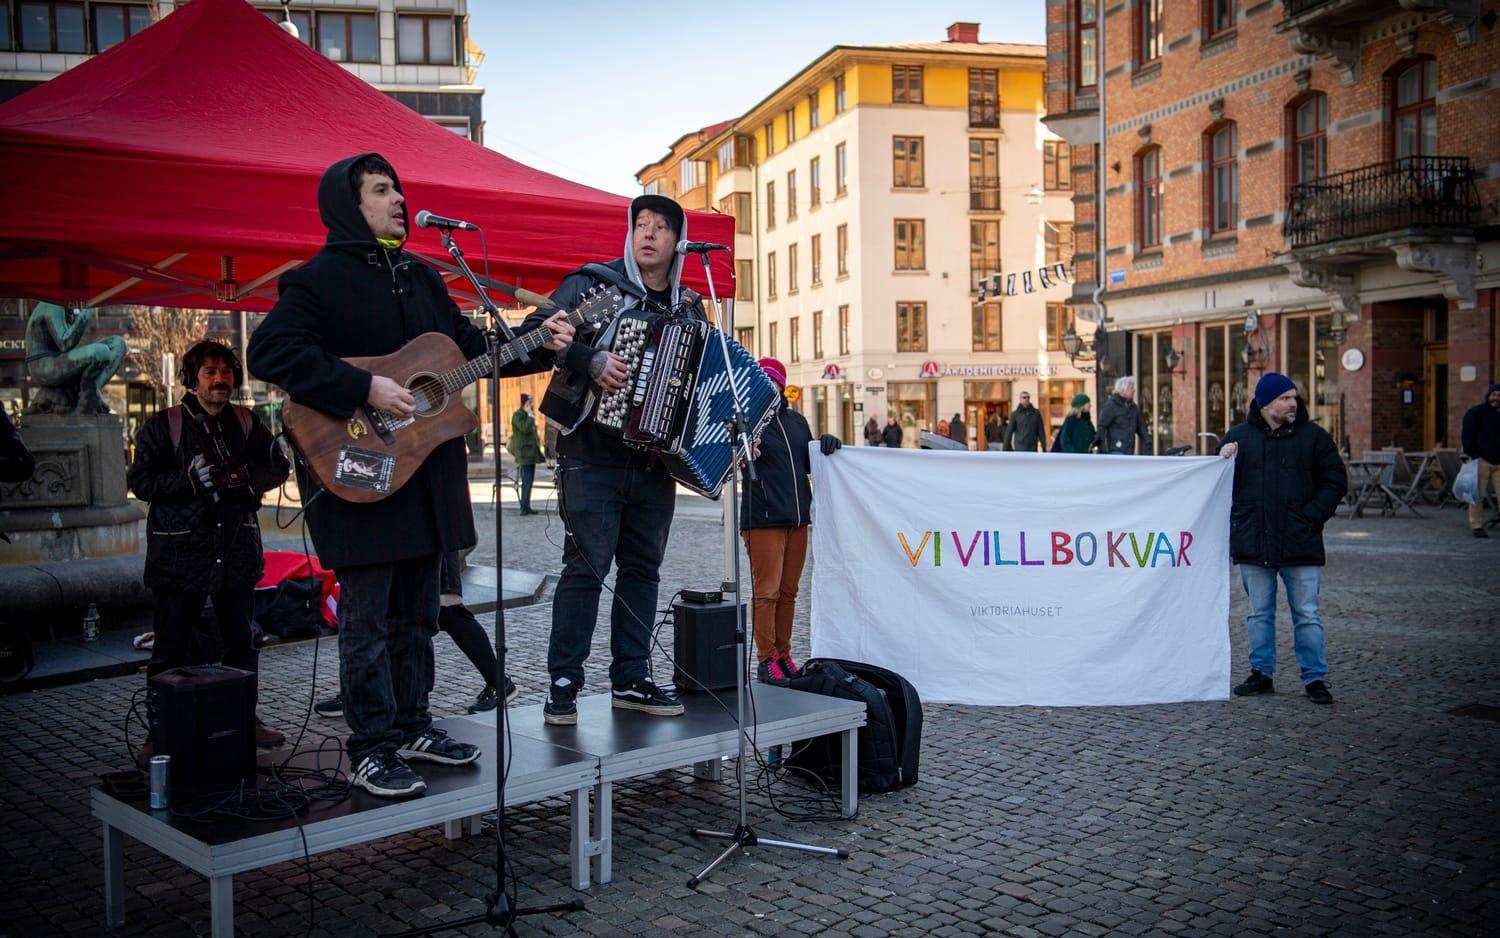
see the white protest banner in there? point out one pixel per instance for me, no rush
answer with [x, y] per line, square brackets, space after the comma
[1026, 579]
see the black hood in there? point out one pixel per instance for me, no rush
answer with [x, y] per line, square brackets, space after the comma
[1257, 420]
[338, 205]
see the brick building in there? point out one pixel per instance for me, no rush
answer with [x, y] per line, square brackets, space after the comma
[1308, 186]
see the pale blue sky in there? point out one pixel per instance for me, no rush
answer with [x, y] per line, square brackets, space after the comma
[594, 90]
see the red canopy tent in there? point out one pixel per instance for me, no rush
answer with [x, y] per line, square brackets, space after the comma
[131, 178]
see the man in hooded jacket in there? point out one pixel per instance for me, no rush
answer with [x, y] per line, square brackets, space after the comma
[1288, 481]
[362, 295]
[616, 502]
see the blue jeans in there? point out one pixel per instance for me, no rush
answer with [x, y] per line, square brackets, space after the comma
[1307, 628]
[387, 617]
[527, 475]
[613, 515]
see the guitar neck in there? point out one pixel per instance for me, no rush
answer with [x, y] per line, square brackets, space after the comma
[483, 366]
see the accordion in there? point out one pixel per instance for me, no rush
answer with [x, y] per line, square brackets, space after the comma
[677, 400]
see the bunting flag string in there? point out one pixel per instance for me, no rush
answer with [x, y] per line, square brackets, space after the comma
[1047, 276]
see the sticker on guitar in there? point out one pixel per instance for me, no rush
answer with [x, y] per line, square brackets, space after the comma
[364, 469]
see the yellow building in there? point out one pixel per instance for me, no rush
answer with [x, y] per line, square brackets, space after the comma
[872, 191]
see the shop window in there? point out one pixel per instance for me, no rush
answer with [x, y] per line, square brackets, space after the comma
[1310, 357]
[1223, 385]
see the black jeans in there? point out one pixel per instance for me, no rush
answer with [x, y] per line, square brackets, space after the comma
[620, 515]
[460, 624]
[180, 639]
[387, 617]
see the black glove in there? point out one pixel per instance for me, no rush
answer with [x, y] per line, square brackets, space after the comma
[828, 443]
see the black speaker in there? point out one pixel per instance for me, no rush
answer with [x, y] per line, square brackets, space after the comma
[204, 718]
[703, 645]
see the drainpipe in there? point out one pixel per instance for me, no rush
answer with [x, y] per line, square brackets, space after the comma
[1101, 208]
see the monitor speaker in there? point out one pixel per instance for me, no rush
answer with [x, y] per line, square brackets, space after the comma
[704, 645]
[204, 718]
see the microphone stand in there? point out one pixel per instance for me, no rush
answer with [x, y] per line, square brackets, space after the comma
[499, 912]
[743, 836]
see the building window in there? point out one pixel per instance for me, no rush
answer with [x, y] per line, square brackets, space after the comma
[814, 115]
[1223, 180]
[770, 205]
[1059, 241]
[771, 276]
[984, 174]
[1148, 197]
[1218, 17]
[841, 170]
[771, 339]
[984, 97]
[52, 27]
[113, 24]
[840, 95]
[725, 156]
[794, 338]
[1088, 43]
[744, 280]
[690, 174]
[1148, 32]
[817, 259]
[911, 327]
[906, 84]
[770, 133]
[984, 251]
[4, 25]
[1414, 117]
[737, 204]
[791, 268]
[1057, 168]
[814, 182]
[791, 125]
[1224, 390]
[1307, 123]
[987, 332]
[817, 334]
[843, 330]
[843, 249]
[652, 188]
[1153, 388]
[906, 167]
[745, 336]
[348, 37]
[791, 194]
[1059, 321]
[911, 252]
[424, 39]
[1310, 358]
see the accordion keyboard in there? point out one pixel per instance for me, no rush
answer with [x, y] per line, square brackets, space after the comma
[631, 344]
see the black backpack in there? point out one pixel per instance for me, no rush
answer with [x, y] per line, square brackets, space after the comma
[890, 742]
[292, 610]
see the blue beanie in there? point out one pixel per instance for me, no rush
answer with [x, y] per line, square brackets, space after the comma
[1271, 386]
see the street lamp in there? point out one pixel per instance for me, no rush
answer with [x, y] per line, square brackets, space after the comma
[286, 20]
[1078, 349]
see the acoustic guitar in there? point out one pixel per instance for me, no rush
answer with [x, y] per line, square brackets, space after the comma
[370, 455]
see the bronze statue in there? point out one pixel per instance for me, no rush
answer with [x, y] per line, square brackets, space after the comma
[68, 372]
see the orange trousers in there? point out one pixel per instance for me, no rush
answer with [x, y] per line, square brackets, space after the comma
[776, 559]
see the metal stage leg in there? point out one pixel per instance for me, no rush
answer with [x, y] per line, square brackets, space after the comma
[221, 905]
[476, 824]
[578, 842]
[114, 877]
[453, 829]
[604, 809]
[851, 772]
[709, 771]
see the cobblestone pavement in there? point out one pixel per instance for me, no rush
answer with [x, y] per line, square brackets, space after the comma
[1373, 816]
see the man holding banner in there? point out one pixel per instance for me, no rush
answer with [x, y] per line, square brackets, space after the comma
[1288, 481]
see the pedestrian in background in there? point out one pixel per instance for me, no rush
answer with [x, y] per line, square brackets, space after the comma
[994, 432]
[891, 435]
[1026, 433]
[526, 449]
[1120, 424]
[1288, 481]
[958, 430]
[872, 432]
[1481, 441]
[1077, 433]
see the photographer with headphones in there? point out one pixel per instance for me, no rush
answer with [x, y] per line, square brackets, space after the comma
[203, 465]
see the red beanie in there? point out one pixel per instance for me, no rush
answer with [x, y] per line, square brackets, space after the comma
[774, 370]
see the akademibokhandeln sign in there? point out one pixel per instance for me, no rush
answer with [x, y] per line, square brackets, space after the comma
[1025, 578]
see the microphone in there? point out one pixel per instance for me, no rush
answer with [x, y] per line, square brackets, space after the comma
[687, 247]
[426, 219]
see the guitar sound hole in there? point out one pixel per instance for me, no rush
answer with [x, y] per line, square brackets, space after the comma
[429, 395]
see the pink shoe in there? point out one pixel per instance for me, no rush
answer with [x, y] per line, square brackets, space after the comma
[789, 667]
[770, 673]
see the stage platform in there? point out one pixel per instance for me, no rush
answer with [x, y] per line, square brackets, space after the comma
[582, 761]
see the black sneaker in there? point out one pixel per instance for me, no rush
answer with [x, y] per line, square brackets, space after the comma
[386, 774]
[770, 672]
[436, 745]
[646, 697]
[1318, 693]
[561, 708]
[489, 697]
[330, 706]
[1256, 683]
[1480, 532]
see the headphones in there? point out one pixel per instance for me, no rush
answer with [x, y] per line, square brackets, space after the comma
[195, 357]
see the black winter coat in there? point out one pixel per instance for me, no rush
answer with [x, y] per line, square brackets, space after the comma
[1120, 427]
[1025, 433]
[781, 495]
[192, 544]
[891, 435]
[1287, 483]
[1481, 433]
[355, 298]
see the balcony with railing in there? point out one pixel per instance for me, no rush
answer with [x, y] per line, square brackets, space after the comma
[984, 193]
[1333, 29]
[1433, 194]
